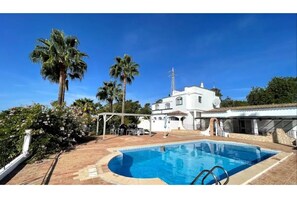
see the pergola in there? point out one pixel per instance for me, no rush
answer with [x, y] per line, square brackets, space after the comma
[106, 119]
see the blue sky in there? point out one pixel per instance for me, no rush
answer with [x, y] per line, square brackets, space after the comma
[232, 52]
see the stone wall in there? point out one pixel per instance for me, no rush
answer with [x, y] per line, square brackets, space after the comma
[280, 137]
[260, 138]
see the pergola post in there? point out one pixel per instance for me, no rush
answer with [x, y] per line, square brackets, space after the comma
[104, 126]
[97, 129]
[106, 119]
[216, 126]
[150, 125]
[222, 124]
[195, 121]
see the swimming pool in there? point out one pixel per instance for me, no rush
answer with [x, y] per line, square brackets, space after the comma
[181, 163]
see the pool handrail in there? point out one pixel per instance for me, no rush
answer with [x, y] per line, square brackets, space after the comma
[208, 172]
[211, 172]
[227, 180]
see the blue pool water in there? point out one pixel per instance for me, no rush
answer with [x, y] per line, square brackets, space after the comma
[181, 163]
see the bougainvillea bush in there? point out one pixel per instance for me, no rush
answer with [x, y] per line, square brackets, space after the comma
[53, 129]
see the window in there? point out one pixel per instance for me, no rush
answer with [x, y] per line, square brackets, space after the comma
[179, 101]
[167, 105]
[156, 107]
[199, 99]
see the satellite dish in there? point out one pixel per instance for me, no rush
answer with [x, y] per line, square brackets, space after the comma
[216, 102]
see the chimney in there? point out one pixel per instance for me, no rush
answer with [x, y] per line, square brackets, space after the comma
[201, 85]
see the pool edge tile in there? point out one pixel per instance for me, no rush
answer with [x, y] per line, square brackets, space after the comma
[248, 175]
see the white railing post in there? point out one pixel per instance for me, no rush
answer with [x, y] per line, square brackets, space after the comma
[27, 140]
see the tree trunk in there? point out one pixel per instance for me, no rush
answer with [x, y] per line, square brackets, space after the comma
[63, 90]
[61, 86]
[111, 107]
[124, 98]
[64, 87]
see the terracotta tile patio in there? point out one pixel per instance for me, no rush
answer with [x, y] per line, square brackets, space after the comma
[66, 168]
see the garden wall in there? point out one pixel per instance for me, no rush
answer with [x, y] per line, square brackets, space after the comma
[279, 136]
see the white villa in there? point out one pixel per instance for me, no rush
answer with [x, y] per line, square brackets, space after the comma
[179, 110]
[197, 108]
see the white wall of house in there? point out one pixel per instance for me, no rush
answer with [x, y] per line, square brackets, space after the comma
[282, 118]
[174, 124]
[188, 121]
[194, 101]
[158, 123]
[144, 123]
[274, 112]
[190, 97]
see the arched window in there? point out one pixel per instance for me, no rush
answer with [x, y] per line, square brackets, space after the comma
[179, 101]
[167, 105]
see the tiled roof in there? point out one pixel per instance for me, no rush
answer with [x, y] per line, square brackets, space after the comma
[252, 107]
[176, 113]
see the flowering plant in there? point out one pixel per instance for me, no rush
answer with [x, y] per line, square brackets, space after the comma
[53, 129]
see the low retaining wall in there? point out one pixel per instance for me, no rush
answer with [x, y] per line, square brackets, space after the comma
[279, 136]
[251, 137]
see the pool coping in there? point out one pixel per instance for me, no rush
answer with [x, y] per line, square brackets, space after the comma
[100, 169]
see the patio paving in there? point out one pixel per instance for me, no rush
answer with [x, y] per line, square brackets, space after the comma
[64, 168]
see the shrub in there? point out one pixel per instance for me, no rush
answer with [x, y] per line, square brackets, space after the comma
[53, 130]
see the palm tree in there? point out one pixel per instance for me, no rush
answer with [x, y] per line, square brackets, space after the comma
[86, 105]
[60, 60]
[110, 91]
[124, 69]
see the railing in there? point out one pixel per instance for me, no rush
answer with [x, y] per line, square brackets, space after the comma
[9, 149]
[210, 172]
[10, 158]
